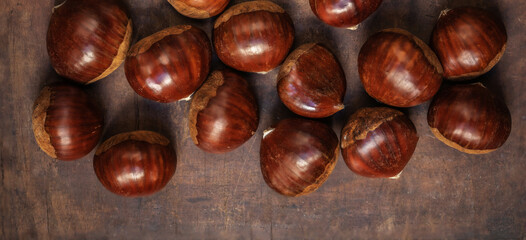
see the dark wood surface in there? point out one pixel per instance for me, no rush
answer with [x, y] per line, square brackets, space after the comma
[442, 193]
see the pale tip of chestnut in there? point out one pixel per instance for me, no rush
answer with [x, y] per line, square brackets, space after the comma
[186, 99]
[397, 176]
[263, 73]
[339, 107]
[58, 6]
[354, 28]
[267, 132]
[444, 12]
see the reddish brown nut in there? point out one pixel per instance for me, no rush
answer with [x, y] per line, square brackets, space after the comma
[135, 164]
[223, 113]
[398, 69]
[199, 9]
[344, 13]
[169, 65]
[88, 39]
[469, 118]
[468, 41]
[378, 142]
[253, 36]
[297, 156]
[311, 82]
[66, 123]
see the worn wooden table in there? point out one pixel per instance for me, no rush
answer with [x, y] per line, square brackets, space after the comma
[441, 194]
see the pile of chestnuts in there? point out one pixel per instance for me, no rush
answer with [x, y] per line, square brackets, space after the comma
[89, 39]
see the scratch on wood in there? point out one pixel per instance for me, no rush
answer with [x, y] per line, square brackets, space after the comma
[237, 181]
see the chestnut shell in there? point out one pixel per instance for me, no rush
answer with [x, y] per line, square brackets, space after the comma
[378, 142]
[169, 65]
[66, 123]
[468, 41]
[311, 82]
[223, 113]
[135, 164]
[253, 36]
[199, 9]
[298, 155]
[344, 13]
[469, 118]
[398, 69]
[88, 39]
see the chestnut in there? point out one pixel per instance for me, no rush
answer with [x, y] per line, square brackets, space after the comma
[378, 142]
[223, 113]
[469, 118]
[311, 82]
[468, 41]
[398, 69]
[199, 9]
[298, 155]
[253, 36]
[66, 123]
[169, 65]
[344, 13]
[135, 164]
[88, 39]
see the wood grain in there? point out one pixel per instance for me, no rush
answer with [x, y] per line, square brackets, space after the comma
[442, 194]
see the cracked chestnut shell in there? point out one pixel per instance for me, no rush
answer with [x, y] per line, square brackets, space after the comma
[66, 123]
[468, 41]
[134, 164]
[398, 69]
[311, 82]
[298, 155]
[88, 39]
[169, 65]
[223, 113]
[253, 36]
[344, 13]
[469, 118]
[199, 9]
[378, 142]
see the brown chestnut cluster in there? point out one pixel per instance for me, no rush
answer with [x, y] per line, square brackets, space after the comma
[89, 39]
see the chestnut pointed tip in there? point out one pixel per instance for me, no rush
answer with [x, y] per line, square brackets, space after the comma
[339, 107]
[397, 176]
[354, 28]
[266, 132]
[444, 12]
[58, 6]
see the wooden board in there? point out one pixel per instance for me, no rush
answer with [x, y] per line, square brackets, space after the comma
[442, 194]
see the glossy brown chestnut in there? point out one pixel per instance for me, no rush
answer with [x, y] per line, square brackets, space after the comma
[66, 123]
[398, 69]
[468, 41]
[469, 118]
[297, 156]
[344, 13]
[169, 65]
[135, 164]
[223, 113]
[378, 142]
[88, 39]
[311, 82]
[253, 36]
[199, 9]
